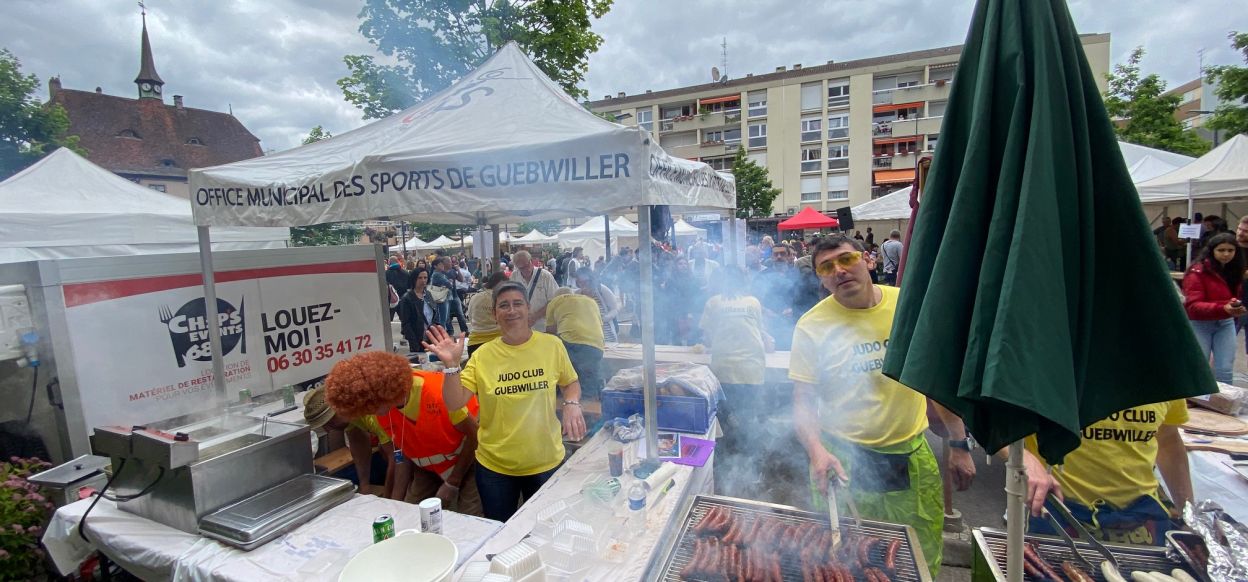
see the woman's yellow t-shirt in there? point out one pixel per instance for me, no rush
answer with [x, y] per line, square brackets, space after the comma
[516, 388]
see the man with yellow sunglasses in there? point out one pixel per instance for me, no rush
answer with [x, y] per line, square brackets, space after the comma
[857, 425]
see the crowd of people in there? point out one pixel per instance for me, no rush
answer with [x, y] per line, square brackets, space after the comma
[536, 333]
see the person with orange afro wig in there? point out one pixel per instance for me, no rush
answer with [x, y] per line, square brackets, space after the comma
[434, 447]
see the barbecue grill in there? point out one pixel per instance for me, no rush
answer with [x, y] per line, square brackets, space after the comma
[990, 554]
[911, 567]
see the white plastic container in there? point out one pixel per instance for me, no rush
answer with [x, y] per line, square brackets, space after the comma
[382, 562]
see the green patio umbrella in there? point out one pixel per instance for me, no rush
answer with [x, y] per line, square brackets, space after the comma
[1035, 300]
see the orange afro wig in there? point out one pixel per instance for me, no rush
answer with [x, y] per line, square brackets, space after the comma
[363, 384]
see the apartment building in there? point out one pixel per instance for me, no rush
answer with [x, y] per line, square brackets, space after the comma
[1196, 101]
[831, 135]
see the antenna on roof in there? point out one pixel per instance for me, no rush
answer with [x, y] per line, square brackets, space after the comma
[142, 8]
[723, 59]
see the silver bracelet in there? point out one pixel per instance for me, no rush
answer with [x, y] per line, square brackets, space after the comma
[449, 371]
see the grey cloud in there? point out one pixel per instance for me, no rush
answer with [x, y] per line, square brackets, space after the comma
[276, 61]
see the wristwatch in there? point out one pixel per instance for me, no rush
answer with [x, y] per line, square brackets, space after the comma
[964, 444]
[567, 402]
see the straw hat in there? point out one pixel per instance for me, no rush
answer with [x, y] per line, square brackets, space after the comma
[315, 410]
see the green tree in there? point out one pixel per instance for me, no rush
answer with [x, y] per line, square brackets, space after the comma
[1232, 115]
[1143, 115]
[328, 234]
[754, 191]
[543, 226]
[28, 129]
[437, 41]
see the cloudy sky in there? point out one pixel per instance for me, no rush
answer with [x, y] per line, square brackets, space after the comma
[276, 61]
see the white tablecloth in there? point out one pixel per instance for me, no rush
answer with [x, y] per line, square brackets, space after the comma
[1213, 479]
[630, 560]
[317, 550]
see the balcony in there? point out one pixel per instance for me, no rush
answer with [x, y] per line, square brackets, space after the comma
[718, 148]
[688, 152]
[912, 127]
[936, 91]
[700, 121]
[903, 161]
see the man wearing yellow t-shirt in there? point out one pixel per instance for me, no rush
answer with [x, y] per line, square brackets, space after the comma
[854, 422]
[578, 322]
[1108, 482]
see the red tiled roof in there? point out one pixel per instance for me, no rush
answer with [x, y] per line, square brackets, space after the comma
[163, 132]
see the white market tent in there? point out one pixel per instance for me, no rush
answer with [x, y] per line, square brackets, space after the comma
[64, 206]
[502, 145]
[1145, 163]
[410, 244]
[441, 242]
[534, 238]
[685, 230]
[591, 236]
[1221, 174]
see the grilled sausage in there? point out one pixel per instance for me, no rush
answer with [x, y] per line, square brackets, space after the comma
[1030, 569]
[1073, 573]
[1031, 553]
[890, 555]
[691, 569]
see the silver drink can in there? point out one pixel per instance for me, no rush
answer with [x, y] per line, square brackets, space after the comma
[431, 515]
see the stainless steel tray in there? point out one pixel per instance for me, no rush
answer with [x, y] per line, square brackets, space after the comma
[1054, 551]
[258, 519]
[1179, 541]
[910, 563]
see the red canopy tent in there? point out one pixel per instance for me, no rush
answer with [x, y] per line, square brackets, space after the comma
[808, 218]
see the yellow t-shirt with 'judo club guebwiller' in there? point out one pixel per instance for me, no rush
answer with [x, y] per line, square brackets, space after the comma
[368, 423]
[1114, 461]
[516, 387]
[735, 327]
[840, 351]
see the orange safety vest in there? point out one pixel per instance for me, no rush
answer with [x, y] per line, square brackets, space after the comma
[429, 440]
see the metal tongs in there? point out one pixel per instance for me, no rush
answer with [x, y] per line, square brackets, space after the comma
[834, 483]
[1083, 534]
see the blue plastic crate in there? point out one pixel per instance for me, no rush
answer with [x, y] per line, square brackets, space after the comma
[679, 413]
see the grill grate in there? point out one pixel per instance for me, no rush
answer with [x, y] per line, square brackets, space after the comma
[910, 567]
[1055, 551]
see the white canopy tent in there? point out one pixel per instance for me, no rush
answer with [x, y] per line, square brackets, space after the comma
[534, 238]
[410, 244]
[686, 231]
[591, 236]
[1221, 174]
[502, 145]
[67, 207]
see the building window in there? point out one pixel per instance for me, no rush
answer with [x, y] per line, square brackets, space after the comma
[720, 164]
[810, 96]
[758, 135]
[838, 187]
[812, 189]
[157, 187]
[129, 133]
[733, 106]
[194, 141]
[168, 163]
[904, 84]
[732, 136]
[758, 103]
[838, 156]
[838, 126]
[838, 93]
[931, 142]
[936, 108]
[645, 119]
[811, 159]
[812, 129]
[674, 111]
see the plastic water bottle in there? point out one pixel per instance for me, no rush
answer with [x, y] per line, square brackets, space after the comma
[637, 506]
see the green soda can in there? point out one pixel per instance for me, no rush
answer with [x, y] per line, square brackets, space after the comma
[244, 396]
[288, 395]
[383, 528]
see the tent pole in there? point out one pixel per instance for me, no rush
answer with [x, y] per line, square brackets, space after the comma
[646, 313]
[1015, 512]
[494, 260]
[210, 313]
[1191, 212]
[606, 228]
[734, 251]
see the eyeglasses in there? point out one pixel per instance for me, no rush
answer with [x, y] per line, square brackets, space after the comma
[844, 261]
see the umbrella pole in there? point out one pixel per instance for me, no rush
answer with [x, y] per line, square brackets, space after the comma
[1015, 512]
[606, 224]
[645, 310]
[210, 313]
[1191, 212]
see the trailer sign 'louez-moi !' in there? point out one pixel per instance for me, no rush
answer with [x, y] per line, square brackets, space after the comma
[141, 346]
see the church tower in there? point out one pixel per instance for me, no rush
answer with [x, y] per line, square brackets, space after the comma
[150, 83]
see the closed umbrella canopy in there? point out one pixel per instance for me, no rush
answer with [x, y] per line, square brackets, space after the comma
[808, 218]
[1020, 309]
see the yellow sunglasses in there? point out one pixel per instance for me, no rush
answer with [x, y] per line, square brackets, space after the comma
[844, 261]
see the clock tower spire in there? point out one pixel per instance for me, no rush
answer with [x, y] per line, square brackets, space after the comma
[149, 82]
